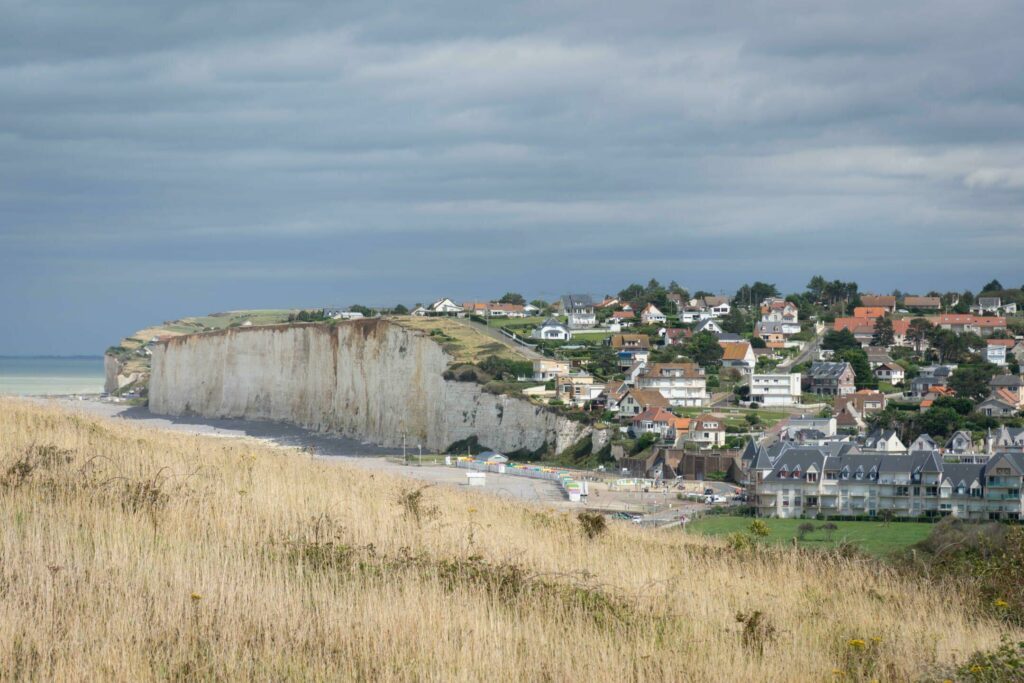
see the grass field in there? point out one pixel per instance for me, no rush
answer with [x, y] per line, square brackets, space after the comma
[736, 417]
[135, 554]
[465, 343]
[873, 537]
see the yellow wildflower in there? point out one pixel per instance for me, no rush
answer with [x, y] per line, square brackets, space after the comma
[1000, 603]
[857, 644]
[196, 597]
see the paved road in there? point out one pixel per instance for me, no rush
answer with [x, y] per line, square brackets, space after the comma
[807, 353]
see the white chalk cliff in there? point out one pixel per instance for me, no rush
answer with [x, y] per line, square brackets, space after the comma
[370, 379]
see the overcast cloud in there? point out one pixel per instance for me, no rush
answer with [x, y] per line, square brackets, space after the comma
[165, 159]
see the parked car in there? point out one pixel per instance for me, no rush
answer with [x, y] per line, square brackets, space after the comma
[709, 491]
[713, 500]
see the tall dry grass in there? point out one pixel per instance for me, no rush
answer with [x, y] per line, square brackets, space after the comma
[133, 554]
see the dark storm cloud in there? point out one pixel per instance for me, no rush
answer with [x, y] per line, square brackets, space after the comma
[160, 160]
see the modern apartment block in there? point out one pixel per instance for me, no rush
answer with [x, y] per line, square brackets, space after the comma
[775, 389]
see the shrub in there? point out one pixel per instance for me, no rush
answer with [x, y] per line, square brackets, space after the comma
[804, 529]
[759, 528]
[593, 524]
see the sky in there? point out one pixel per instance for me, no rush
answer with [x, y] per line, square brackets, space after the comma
[164, 159]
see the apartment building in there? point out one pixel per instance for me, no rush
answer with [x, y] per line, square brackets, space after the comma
[683, 384]
[775, 389]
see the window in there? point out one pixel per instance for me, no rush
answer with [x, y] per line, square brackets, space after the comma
[931, 491]
[902, 490]
[812, 501]
[812, 476]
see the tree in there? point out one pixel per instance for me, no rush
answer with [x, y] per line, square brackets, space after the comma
[753, 295]
[400, 310]
[541, 304]
[752, 418]
[634, 291]
[603, 361]
[816, 288]
[512, 298]
[994, 286]
[971, 381]
[737, 321]
[865, 378]
[948, 344]
[939, 421]
[917, 332]
[758, 343]
[839, 341]
[804, 529]
[704, 349]
[365, 310]
[884, 334]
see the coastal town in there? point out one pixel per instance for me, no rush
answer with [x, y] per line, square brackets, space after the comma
[828, 403]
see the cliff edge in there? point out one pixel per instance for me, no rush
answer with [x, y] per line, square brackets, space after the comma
[371, 379]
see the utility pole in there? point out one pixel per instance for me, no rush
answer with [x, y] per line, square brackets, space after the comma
[404, 456]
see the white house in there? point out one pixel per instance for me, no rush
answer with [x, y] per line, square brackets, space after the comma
[995, 350]
[738, 355]
[891, 373]
[552, 330]
[775, 389]
[545, 369]
[708, 325]
[652, 316]
[683, 384]
[441, 306]
[579, 309]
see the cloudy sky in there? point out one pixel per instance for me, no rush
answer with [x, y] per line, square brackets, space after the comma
[165, 159]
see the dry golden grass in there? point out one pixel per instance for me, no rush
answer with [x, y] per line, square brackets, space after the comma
[133, 554]
[469, 345]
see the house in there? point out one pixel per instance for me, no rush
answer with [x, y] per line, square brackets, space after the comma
[779, 310]
[899, 332]
[891, 373]
[1004, 485]
[552, 330]
[870, 312]
[922, 303]
[708, 325]
[707, 431]
[683, 384]
[987, 304]
[577, 389]
[772, 333]
[662, 422]
[530, 309]
[692, 314]
[863, 329]
[623, 318]
[924, 442]
[965, 322]
[651, 315]
[609, 302]
[630, 341]
[1005, 438]
[884, 441]
[877, 356]
[930, 376]
[934, 393]
[499, 310]
[635, 401]
[830, 378]
[675, 335]
[775, 389]
[999, 403]
[439, 307]
[852, 411]
[545, 369]
[739, 356]
[614, 392]
[1014, 384]
[579, 310]
[996, 350]
[886, 302]
[960, 442]
[795, 425]
[716, 306]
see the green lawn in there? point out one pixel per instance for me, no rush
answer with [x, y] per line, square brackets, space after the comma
[525, 323]
[736, 417]
[877, 538]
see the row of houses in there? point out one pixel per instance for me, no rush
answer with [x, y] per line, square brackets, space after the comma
[842, 479]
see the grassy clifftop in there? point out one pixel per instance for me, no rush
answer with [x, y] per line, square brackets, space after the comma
[133, 554]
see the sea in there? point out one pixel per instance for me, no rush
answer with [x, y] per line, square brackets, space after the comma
[51, 375]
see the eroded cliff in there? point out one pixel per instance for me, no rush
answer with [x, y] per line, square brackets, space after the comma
[371, 379]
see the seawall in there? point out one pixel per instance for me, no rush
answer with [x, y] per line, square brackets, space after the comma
[369, 379]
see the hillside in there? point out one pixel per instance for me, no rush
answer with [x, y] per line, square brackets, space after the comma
[132, 554]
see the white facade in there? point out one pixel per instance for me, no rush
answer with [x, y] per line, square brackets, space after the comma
[995, 353]
[681, 388]
[775, 389]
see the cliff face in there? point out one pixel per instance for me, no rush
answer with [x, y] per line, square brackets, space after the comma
[370, 379]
